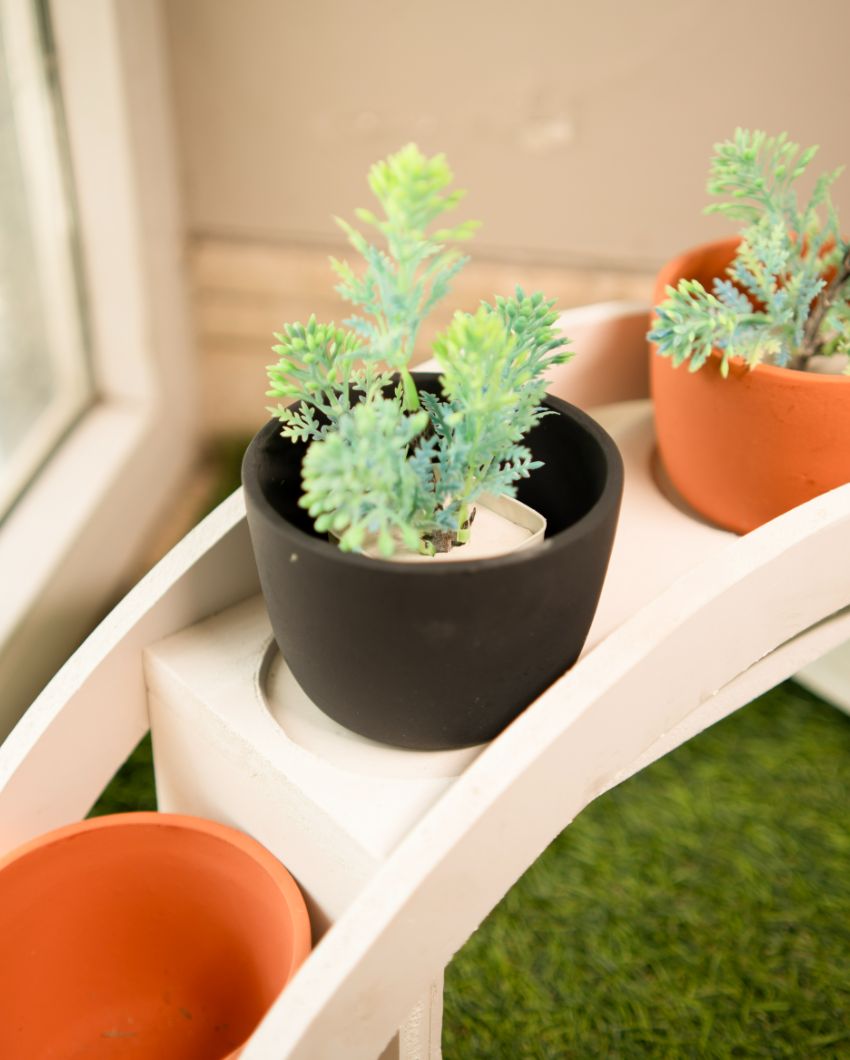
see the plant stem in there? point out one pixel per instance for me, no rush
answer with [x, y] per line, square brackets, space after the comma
[463, 531]
[810, 344]
[411, 394]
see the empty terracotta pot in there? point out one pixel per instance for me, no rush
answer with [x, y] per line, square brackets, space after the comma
[745, 449]
[152, 936]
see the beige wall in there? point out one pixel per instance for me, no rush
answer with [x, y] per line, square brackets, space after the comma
[582, 130]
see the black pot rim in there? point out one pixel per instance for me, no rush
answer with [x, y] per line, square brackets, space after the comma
[592, 520]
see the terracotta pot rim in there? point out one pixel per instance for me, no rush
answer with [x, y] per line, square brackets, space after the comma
[588, 524]
[245, 844]
[773, 372]
[710, 246]
[676, 268]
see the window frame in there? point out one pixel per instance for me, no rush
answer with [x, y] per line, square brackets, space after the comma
[70, 543]
[38, 133]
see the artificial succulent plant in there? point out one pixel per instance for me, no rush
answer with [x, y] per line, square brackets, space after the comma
[786, 295]
[386, 462]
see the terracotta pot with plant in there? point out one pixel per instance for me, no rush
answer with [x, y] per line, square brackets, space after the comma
[397, 521]
[750, 344]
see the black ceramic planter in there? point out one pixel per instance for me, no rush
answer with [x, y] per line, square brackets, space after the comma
[444, 655]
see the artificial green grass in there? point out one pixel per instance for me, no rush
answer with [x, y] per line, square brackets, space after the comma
[132, 787]
[225, 455]
[701, 909]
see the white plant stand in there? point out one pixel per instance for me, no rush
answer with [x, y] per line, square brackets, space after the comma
[402, 854]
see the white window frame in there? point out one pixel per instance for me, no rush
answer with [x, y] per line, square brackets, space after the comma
[73, 537]
[51, 227]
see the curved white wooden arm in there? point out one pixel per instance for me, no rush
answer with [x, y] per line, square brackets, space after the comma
[586, 732]
[62, 753]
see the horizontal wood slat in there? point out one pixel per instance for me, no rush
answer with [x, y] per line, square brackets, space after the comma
[245, 291]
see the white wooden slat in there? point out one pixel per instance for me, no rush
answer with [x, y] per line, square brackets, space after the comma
[829, 677]
[640, 682]
[757, 679]
[611, 357]
[87, 720]
[656, 541]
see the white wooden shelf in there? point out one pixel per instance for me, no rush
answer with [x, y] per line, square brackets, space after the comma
[328, 802]
[401, 854]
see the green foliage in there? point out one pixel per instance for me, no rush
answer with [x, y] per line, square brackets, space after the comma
[777, 303]
[493, 363]
[387, 464]
[402, 284]
[358, 481]
[315, 366]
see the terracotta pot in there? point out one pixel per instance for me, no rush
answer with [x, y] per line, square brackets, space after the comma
[146, 935]
[742, 450]
[437, 655]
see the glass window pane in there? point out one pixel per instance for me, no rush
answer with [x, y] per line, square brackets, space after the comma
[44, 382]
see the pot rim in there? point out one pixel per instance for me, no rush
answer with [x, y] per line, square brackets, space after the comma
[589, 523]
[262, 857]
[677, 268]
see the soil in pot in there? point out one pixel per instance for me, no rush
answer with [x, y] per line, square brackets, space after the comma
[743, 450]
[434, 656]
[146, 935]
